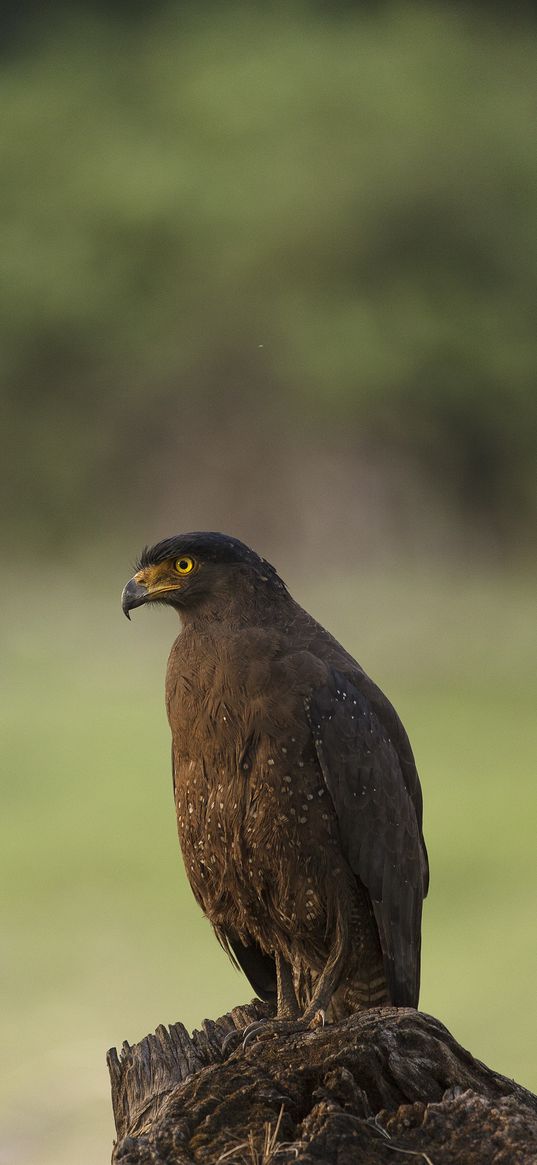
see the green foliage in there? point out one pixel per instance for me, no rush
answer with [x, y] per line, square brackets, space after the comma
[325, 221]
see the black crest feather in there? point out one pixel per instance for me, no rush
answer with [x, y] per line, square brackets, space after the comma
[209, 546]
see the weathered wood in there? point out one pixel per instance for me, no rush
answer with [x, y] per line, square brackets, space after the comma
[383, 1084]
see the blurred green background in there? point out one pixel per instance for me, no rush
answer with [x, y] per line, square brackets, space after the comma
[267, 269]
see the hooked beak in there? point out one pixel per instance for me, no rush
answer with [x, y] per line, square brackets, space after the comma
[134, 595]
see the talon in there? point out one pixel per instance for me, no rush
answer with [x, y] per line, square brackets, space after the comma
[252, 1031]
[231, 1042]
[277, 1027]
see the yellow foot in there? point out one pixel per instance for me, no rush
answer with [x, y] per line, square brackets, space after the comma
[282, 1027]
[318, 1020]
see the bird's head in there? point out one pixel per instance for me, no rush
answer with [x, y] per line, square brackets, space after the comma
[189, 571]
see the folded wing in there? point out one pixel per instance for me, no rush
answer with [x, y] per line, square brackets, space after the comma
[369, 770]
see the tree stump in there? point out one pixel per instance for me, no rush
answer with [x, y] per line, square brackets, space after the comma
[383, 1085]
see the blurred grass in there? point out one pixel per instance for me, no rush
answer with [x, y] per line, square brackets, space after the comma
[102, 940]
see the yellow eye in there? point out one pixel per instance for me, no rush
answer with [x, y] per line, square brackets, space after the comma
[184, 565]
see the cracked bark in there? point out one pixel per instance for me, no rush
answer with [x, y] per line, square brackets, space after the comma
[382, 1086]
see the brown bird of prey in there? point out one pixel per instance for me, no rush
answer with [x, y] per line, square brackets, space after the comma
[298, 802]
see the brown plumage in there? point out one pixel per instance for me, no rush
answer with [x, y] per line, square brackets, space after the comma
[297, 797]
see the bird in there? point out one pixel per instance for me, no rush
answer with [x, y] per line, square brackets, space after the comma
[298, 802]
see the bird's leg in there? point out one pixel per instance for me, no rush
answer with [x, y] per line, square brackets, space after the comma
[326, 985]
[288, 1020]
[314, 1015]
[330, 977]
[287, 1002]
[287, 1006]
